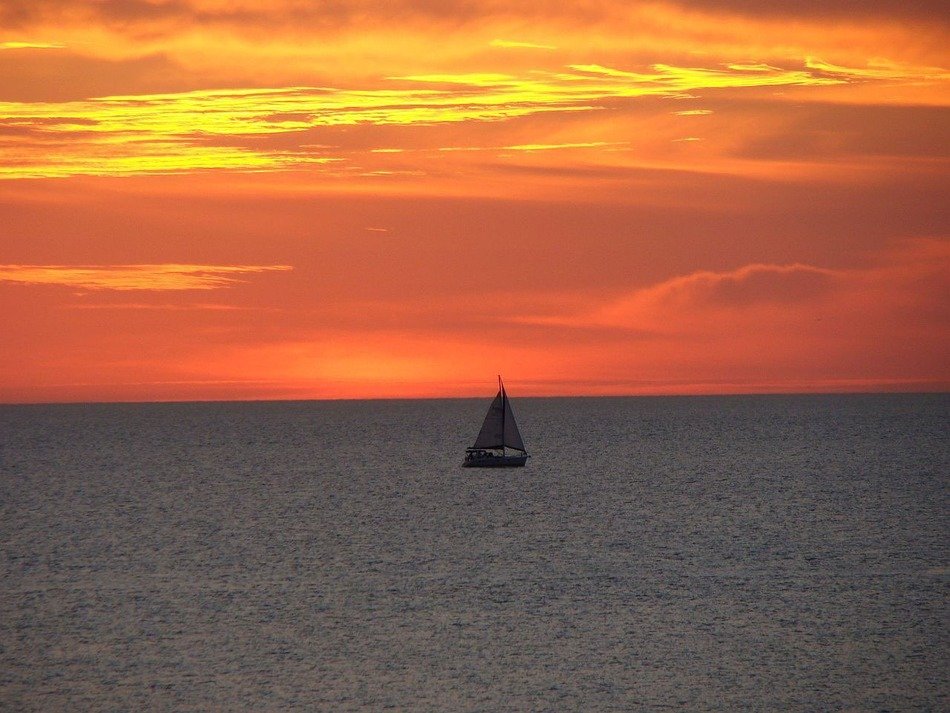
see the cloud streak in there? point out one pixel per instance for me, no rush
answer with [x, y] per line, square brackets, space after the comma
[162, 277]
[685, 301]
[183, 132]
[514, 44]
[14, 45]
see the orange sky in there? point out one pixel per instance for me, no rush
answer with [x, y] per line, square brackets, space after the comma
[227, 199]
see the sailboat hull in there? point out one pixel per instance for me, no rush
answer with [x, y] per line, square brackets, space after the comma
[492, 461]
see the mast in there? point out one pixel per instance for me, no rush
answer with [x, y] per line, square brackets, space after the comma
[501, 390]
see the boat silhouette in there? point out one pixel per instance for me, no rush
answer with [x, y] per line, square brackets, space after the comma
[499, 434]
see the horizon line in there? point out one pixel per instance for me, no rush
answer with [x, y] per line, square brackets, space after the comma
[118, 402]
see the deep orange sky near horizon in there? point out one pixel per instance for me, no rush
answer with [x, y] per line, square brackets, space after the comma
[226, 199]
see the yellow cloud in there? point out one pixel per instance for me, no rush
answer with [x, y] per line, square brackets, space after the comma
[879, 70]
[30, 46]
[551, 147]
[133, 277]
[511, 44]
[182, 132]
[669, 79]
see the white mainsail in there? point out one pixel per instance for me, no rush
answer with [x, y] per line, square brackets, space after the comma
[500, 430]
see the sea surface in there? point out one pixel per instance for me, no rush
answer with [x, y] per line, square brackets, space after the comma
[709, 553]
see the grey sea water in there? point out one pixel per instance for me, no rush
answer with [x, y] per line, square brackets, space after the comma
[762, 552]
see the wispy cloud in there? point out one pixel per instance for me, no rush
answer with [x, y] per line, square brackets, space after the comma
[184, 132]
[161, 307]
[671, 80]
[555, 147]
[513, 44]
[688, 299]
[133, 277]
[14, 45]
[744, 287]
[537, 147]
[878, 70]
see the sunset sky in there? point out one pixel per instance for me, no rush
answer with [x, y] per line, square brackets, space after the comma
[235, 199]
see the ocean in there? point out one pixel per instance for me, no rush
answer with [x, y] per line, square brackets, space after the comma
[695, 553]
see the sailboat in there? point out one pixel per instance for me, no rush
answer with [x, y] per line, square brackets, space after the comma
[499, 434]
